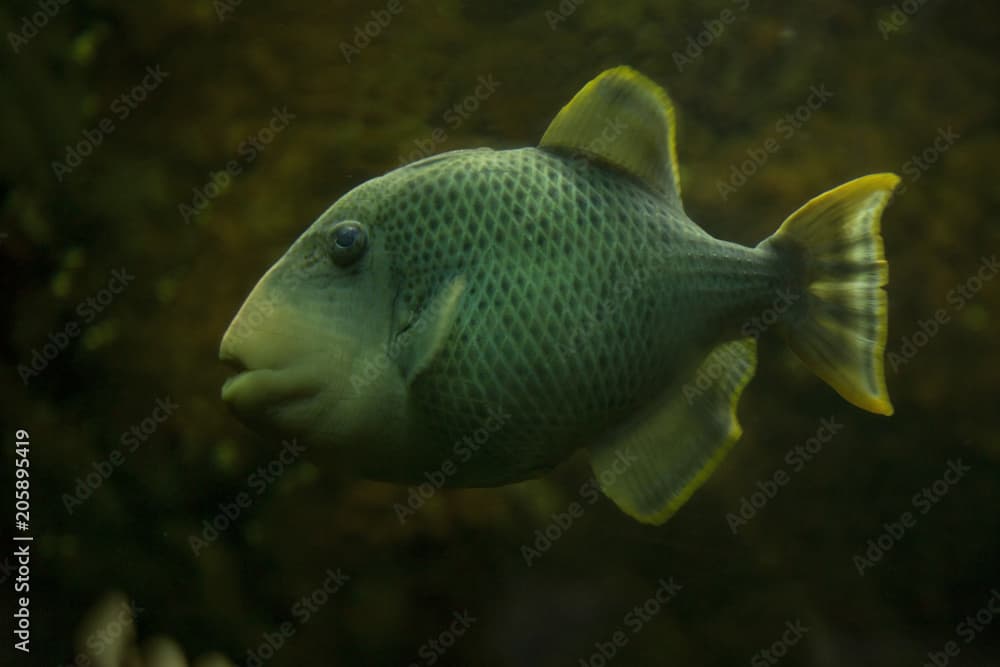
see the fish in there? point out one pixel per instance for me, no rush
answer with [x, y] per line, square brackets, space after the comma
[478, 316]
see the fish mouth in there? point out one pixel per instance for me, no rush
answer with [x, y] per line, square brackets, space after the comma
[241, 372]
[233, 362]
[253, 392]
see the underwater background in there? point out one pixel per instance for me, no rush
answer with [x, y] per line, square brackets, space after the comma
[157, 157]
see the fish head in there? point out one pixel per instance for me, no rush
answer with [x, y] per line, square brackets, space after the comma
[307, 338]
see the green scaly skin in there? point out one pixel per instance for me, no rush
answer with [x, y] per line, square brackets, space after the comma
[587, 296]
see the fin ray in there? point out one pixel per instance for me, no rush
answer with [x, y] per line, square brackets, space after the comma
[839, 331]
[642, 124]
[430, 330]
[651, 467]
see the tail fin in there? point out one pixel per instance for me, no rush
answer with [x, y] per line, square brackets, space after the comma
[839, 330]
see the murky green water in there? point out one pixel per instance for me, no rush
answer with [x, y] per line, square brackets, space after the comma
[158, 157]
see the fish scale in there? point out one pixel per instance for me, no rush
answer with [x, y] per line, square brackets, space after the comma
[574, 273]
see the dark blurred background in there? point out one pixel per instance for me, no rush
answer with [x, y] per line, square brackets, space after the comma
[157, 157]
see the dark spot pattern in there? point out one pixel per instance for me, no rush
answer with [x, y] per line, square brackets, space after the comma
[584, 289]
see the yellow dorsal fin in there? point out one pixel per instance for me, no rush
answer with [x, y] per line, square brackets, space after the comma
[626, 120]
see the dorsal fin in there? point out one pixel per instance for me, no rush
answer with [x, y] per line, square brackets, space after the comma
[626, 120]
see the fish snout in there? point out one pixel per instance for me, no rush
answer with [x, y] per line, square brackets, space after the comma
[253, 339]
[278, 346]
[245, 331]
[252, 346]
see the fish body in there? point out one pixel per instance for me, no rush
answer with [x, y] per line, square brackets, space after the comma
[585, 295]
[498, 310]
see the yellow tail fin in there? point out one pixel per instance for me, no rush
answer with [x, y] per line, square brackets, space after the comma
[840, 330]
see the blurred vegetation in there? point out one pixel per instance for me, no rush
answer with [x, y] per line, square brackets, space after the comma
[121, 209]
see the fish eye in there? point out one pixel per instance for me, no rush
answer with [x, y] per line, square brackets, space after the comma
[349, 240]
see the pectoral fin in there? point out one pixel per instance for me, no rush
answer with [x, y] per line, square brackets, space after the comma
[421, 342]
[650, 467]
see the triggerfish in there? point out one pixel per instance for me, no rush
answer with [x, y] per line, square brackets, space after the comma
[499, 309]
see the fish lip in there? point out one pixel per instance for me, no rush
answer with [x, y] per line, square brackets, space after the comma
[228, 383]
[234, 362]
[237, 402]
[227, 386]
[278, 391]
[242, 371]
[227, 357]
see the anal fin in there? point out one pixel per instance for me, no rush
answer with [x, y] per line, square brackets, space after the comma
[651, 466]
